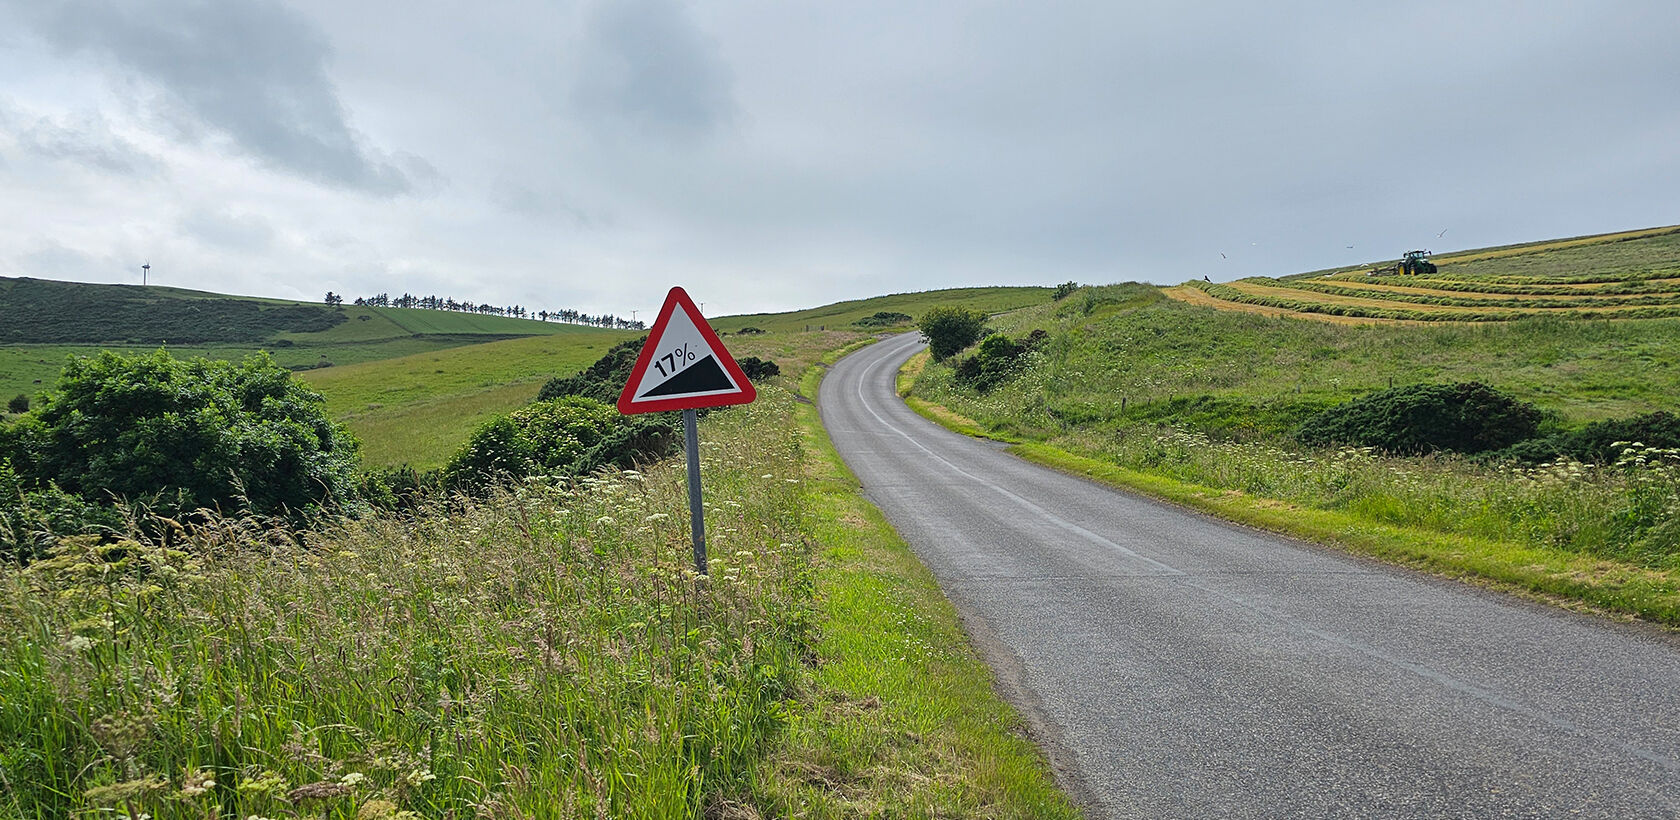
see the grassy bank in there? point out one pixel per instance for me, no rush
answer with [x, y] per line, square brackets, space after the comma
[1197, 406]
[544, 653]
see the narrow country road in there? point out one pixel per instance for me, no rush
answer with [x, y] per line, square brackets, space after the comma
[1177, 666]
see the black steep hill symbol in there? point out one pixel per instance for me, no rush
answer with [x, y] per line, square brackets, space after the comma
[704, 376]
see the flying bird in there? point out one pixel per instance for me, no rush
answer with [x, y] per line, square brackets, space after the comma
[1221, 254]
[1439, 235]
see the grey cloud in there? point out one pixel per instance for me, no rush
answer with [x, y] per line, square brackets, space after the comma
[645, 64]
[538, 204]
[254, 70]
[86, 140]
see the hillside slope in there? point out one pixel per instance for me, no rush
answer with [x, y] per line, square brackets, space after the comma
[1626, 275]
[42, 322]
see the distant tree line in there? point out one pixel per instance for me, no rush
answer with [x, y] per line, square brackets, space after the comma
[569, 316]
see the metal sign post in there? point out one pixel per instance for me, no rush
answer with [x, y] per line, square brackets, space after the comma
[696, 510]
[684, 367]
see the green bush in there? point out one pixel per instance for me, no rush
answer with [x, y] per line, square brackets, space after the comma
[1064, 290]
[32, 520]
[179, 435]
[885, 318]
[571, 435]
[994, 362]
[948, 329]
[601, 381]
[400, 488]
[1470, 417]
[18, 404]
[1601, 442]
[758, 369]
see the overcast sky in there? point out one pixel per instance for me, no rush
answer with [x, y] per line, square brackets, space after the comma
[772, 155]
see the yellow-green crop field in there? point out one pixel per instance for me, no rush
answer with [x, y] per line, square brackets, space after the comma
[1628, 275]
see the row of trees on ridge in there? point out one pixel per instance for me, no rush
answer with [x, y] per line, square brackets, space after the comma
[409, 300]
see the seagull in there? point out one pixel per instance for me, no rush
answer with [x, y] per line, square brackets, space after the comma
[1221, 254]
[1439, 235]
[1350, 247]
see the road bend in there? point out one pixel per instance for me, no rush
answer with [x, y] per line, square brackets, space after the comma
[1174, 665]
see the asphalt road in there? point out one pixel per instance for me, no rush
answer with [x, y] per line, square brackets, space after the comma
[1174, 665]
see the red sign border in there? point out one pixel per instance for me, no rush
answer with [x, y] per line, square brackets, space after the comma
[676, 297]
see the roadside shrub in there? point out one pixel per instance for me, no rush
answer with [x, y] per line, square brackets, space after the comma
[948, 329]
[1470, 417]
[749, 331]
[1064, 290]
[400, 488]
[18, 404]
[603, 380]
[759, 369]
[180, 435]
[571, 435]
[31, 521]
[991, 364]
[1602, 442]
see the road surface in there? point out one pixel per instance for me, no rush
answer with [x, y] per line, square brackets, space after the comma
[1174, 665]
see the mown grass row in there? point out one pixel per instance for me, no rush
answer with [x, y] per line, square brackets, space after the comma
[1635, 283]
[1392, 294]
[1306, 305]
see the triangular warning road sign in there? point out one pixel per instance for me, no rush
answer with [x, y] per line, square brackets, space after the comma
[683, 365]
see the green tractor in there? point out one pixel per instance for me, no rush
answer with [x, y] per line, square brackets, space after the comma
[1412, 264]
[1416, 262]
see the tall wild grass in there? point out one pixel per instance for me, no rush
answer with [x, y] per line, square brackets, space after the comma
[547, 652]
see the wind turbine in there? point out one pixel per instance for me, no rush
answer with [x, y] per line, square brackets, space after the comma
[145, 272]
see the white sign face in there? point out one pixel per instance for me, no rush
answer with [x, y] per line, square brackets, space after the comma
[683, 364]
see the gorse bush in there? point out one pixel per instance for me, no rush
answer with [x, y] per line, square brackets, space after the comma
[1602, 442]
[758, 370]
[18, 404]
[602, 380]
[1470, 417]
[884, 318]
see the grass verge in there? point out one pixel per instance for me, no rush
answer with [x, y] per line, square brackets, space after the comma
[903, 720]
[1567, 578]
[1608, 587]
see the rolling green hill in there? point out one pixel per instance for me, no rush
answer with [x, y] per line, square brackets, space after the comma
[417, 409]
[412, 384]
[844, 315]
[42, 322]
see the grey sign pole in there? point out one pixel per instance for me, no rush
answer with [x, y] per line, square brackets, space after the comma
[696, 511]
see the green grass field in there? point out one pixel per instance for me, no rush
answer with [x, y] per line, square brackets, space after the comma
[418, 409]
[47, 321]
